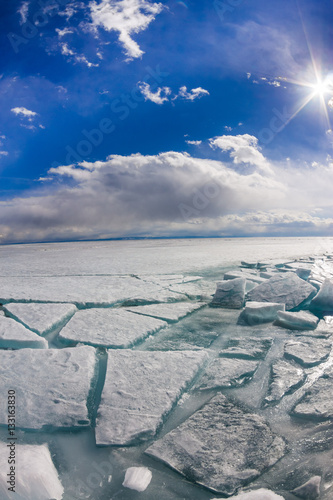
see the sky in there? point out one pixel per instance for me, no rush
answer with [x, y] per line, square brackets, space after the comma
[139, 118]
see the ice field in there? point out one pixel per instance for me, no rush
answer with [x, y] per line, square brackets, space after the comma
[168, 369]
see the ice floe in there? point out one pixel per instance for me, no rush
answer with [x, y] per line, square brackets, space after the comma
[227, 372]
[284, 379]
[109, 327]
[230, 294]
[246, 348]
[137, 478]
[323, 301]
[38, 317]
[36, 477]
[308, 352]
[167, 312]
[317, 403]
[302, 320]
[286, 289]
[256, 313]
[52, 386]
[13, 335]
[140, 389]
[221, 446]
[309, 490]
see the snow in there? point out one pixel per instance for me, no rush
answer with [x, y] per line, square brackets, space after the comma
[36, 477]
[246, 348]
[308, 352]
[285, 378]
[220, 446]
[309, 490]
[226, 372]
[13, 335]
[230, 294]
[52, 386]
[286, 289]
[302, 320]
[261, 494]
[137, 478]
[256, 313]
[141, 388]
[112, 327]
[38, 317]
[167, 312]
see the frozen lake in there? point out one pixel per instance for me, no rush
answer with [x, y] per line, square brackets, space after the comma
[118, 361]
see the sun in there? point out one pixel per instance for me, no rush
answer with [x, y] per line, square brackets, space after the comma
[322, 87]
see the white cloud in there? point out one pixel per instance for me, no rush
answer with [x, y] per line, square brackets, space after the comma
[229, 129]
[194, 143]
[158, 97]
[192, 94]
[243, 149]
[3, 153]
[126, 17]
[65, 31]
[71, 54]
[23, 11]
[21, 111]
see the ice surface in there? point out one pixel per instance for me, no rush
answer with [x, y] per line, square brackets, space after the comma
[83, 290]
[137, 478]
[140, 389]
[287, 289]
[261, 494]
[200, 290]
[52, 386]
[109, 327]
[309, 490]
[36, 477]
[284, 379]
[220, 446]
[229, 294]
[167, 312]
[317, 402]
[227, 372]
[302, 320]
[246, 348]
[323, 301]
[308, 352]
[255, 313]
[13, 335]
[40, 318]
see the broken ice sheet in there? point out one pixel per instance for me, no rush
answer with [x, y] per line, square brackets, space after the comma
[256, 313]
[284, 379]
[317, 403]
[38, 317]
[221, 447]
[114, 327]
[302, 320]
[261, 494]
[52, 386]
[36, 477]
[167, 312]
[13, 335]
[308, 352]
[140, 389]
[230, 294]
[227, 372]
[246, 348]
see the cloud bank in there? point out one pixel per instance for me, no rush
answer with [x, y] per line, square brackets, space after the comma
[174, 194]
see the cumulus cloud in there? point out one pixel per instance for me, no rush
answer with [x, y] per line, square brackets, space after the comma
[126, 17]
[192, 94]
[72, 55]
[172, 194]
[24, 112]
[194, 143]
[158, 97]
[23, 11]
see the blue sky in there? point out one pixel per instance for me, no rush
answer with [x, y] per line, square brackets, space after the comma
[141, 118]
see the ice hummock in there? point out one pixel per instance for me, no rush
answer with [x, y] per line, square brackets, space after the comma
[52, 386]
[141, 388]
[38, 317]
[220, 446]
[256, 313]
[323, 301]
[36, 477]
[229, 294]
[286, 289]
[13, 335]
[302, 320]
[137, 478]
[111, 327]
